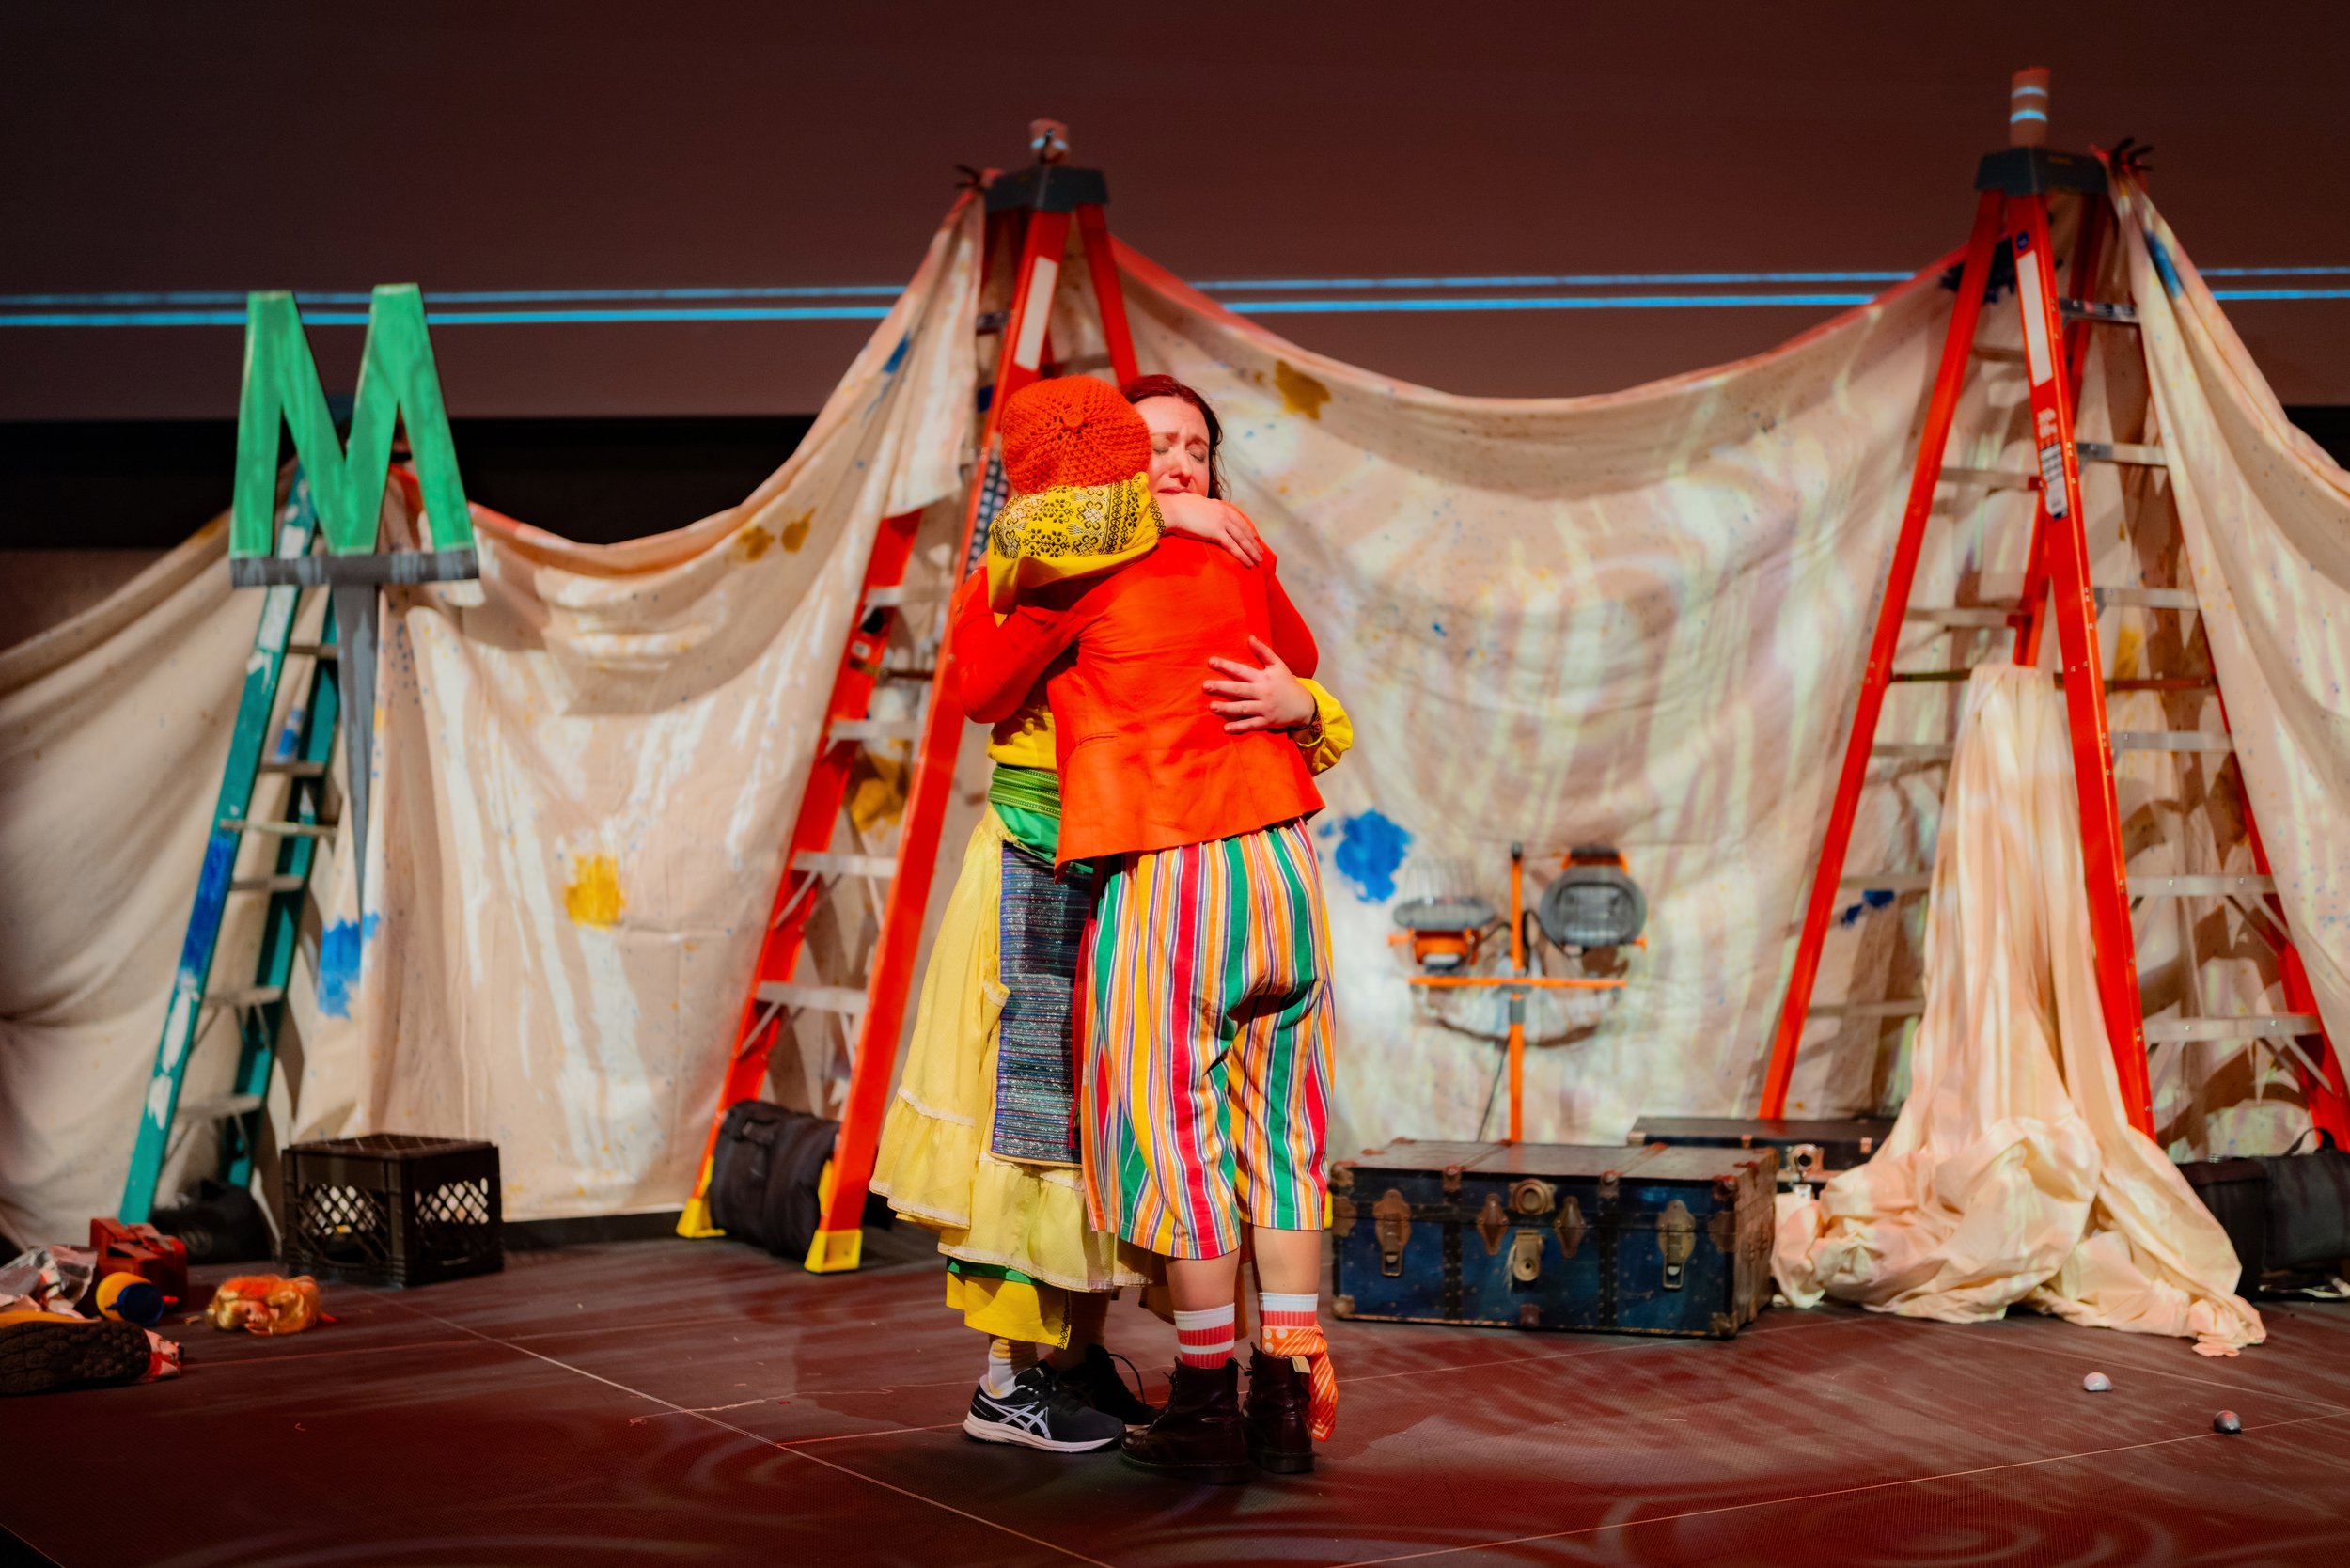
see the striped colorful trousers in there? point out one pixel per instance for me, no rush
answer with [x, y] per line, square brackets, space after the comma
[1206, 1003]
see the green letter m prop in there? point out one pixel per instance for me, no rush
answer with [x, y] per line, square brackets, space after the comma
[396, 378]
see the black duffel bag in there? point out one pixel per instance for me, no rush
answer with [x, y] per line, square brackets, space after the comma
[2282, 1211]
[764, 1175]
[2309, 1209]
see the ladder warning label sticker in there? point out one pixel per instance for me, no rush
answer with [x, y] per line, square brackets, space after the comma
[2052, 478]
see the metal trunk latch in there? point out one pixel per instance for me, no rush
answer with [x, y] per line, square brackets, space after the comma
[1532, 1195]
[1676, 1238]
[1391, 1223]
[1491, 1223]
[1570, 1225]
[1525, 1257]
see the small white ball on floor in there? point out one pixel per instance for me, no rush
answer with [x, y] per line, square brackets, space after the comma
[2097, 1383]
[2227, 1421]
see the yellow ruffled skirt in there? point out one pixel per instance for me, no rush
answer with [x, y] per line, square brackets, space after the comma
[1023, 1225]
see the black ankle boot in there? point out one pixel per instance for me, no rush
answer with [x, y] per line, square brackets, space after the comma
[1279, 1438]
[1197, 1434]
[1095, 1380]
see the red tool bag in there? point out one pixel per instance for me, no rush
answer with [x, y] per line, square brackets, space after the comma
[161, 1261]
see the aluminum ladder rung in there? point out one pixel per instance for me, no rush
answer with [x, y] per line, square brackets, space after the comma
[875, 729]
[1929, 676]
[1998, 353]
[2120, 451]
[1885, 881]
[245, 995]
[278, 829]
[1961, 614]
[2255, 1027]
[819, 998]
[828, 863]
[1906, 1007]
[314, 649]
[2129, 596]
[295, 770]
[1929, 751]
[2106, 311]
[194, 1112]
[278, 882]
[2201, 886]
[885, 596]
[2172, 740]
[1994, 478]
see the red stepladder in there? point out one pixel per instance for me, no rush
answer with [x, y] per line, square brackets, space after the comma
[2012, 216]
[1029, 212]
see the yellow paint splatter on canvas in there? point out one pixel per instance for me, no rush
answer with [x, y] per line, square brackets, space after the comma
[594, 897]
[1300, 392]
[751, 542]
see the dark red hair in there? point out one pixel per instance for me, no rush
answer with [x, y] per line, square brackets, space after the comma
[1168, 386]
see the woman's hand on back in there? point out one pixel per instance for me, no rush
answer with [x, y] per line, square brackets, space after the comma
[1268, 699]
[1212, 522]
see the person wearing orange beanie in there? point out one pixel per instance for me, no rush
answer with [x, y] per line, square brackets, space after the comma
[1205, 979]
[980, 1144]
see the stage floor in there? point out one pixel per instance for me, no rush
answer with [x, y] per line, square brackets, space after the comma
[666, 1402]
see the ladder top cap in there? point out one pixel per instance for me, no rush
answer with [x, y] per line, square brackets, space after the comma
[2022, 171]
[1047, 188]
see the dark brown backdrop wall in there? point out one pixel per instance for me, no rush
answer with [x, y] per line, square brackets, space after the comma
[597, 146]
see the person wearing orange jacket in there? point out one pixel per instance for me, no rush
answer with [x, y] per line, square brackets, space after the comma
[1205, 980]
[980, 1144]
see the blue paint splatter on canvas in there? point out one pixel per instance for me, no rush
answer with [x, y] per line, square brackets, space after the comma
[1875, 898]
[1369, 850]
[340, 947]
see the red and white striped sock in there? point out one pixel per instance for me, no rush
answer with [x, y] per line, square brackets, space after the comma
[1204, 1339]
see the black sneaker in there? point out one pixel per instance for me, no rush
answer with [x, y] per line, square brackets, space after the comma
[1096, 1381]
[1039, 1413]
[40, 1354]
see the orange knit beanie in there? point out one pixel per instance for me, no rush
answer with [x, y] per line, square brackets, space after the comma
[1072, 431]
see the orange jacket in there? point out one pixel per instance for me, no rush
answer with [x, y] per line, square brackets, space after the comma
[1144, 763]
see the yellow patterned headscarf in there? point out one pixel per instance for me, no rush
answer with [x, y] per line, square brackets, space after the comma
[1067, 532]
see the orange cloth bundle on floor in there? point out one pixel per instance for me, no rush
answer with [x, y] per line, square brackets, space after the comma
[265, 1303]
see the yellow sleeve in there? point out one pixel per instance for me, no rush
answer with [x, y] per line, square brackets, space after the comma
[1331, 735]
[1068, 532]
[1025, 738]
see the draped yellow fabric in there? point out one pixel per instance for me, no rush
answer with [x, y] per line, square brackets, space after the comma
[933, 1164]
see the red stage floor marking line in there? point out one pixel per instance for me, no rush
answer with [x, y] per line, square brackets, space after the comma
[1832, 1492]
[2249, 1390]
[265, 1359]
[765, 1442]
[891, 1431]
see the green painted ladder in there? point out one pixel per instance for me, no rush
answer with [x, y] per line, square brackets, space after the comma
[304, 747]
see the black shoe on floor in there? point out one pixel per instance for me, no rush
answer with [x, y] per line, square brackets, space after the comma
[1197, 1435]
[1279, 1439]
[1038, 1413]
[1095, 1380]
[42, 1354]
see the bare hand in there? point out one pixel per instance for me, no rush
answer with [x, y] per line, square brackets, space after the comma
[1213, 523]
[1268, 699]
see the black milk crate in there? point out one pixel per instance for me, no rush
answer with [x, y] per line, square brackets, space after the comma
[393, 1209]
